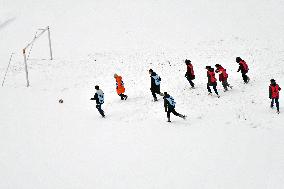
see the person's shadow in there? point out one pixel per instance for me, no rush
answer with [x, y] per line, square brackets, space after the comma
[6, 22]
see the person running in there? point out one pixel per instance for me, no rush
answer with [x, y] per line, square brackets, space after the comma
[120, 89]
[169, 104]
[274, 94]
[243, 67]
[189, 73]
[155, 84]
[99, 98]
[223, 76]
[212, 81]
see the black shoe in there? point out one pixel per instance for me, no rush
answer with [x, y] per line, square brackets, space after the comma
[125, 97]
[169, 121]
[155, 99]
[246, 82]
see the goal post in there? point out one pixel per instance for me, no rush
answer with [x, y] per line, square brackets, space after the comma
[42, 31]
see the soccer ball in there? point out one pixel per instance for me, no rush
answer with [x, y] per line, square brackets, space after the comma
[60, 101]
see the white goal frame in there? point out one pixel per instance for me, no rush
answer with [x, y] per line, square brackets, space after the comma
[30, 44]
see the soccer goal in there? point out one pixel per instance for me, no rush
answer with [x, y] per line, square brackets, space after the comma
[29, 46]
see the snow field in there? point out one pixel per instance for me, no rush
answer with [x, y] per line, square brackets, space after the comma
[232, 142]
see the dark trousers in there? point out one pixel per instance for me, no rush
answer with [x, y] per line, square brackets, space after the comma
[225, 84]
[154, 94]
[190, 81]
[172, 110]
[276, 102]
[122, 96]
[155, 91]
[245, 77]
[214, 87]
[99, 107]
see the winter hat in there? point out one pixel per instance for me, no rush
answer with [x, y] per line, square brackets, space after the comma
[272, 80]
[115, 75]
[187, 61]
[238, 59]
[97, 87]
[151, 71]
[217, 65]
[208, 67]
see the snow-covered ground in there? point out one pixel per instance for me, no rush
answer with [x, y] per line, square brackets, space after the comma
[232, 142]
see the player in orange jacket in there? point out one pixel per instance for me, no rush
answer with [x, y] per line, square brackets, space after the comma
[120, 87]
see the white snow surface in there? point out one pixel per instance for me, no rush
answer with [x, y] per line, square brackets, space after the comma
[233, 142]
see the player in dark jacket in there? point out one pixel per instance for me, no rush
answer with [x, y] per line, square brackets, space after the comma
[169, 105]
[223, 76]
[243, 67]
[189, 73]
[212, 81]
[99, 98]
[155, 84]
[274, 94]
